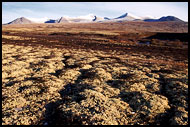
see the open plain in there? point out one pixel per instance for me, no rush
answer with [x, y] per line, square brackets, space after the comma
[124, 73]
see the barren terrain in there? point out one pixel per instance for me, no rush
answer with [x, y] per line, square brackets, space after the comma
[95, 74]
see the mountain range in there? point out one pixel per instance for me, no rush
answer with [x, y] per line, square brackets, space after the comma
[94, 18]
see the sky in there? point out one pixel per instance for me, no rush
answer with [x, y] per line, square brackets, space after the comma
[40, 11]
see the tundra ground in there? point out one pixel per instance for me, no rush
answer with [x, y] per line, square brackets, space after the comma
[95, 74]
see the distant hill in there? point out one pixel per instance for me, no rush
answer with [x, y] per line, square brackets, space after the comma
[93, 18]
[131, 17]
[21, 20]
[128, 17]
[51, 21]
[162, 19]
[124, 17]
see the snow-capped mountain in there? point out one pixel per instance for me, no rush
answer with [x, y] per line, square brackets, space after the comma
[128, 17]
[21, 20]
[86, 18]
[124, 17]
[131, 17]
[63, 20]
[93, 18]
[38, 20]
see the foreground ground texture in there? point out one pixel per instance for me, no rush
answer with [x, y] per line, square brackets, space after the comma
[95, 74]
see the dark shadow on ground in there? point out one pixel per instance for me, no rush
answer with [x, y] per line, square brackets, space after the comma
[57, 72]
[54, 115]
[170, 36]
[11, 83]
[136, 102]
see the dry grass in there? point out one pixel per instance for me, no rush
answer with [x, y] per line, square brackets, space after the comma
[47, 83]
[15, 37]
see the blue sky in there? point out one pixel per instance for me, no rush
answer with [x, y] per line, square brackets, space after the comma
[55, 10]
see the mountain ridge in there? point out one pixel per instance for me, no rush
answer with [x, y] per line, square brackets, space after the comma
[94, 18]
[21, 20]
[165, 18]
